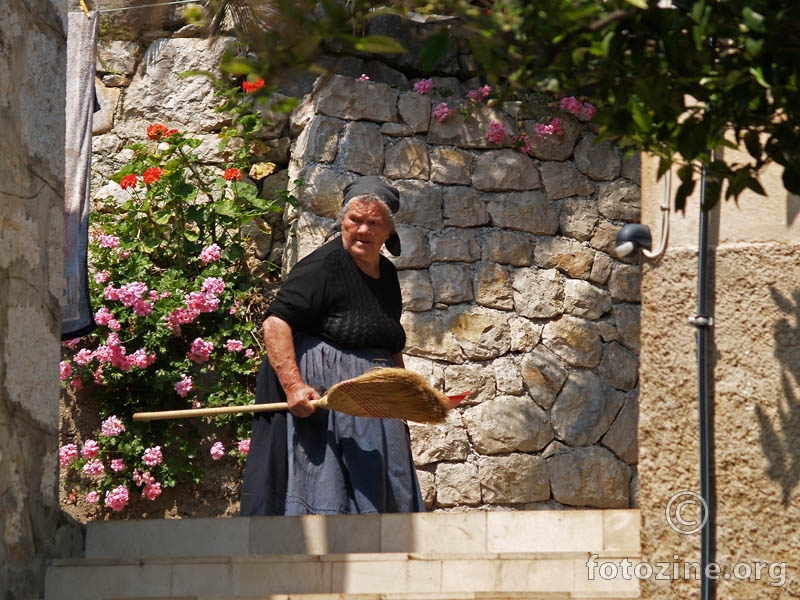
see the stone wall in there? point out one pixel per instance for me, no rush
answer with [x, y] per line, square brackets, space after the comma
[510, 287]
[32, 92]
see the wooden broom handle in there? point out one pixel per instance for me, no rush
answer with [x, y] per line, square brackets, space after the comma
[219, 410]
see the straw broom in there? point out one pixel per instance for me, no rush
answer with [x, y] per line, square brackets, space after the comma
[389, 393]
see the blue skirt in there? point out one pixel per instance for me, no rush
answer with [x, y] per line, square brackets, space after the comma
[335, 463]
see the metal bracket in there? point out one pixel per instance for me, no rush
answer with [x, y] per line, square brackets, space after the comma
[701, 321]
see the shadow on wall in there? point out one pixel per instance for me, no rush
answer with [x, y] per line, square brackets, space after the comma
[782, 448]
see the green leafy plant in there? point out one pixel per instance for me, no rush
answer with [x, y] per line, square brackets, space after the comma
[687, 80]
[175, 307]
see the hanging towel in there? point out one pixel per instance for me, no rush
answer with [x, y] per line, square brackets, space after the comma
[76, 309]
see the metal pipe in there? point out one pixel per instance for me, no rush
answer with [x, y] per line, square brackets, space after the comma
[703, 322]
[665, 200]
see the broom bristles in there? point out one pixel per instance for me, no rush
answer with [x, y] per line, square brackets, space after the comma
[390, 392]
[386, 392]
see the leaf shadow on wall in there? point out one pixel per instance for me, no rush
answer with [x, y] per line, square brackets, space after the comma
[782, 446]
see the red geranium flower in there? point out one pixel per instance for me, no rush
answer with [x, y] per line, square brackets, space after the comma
[251, 86]
[152, 175]
[128, 181]
[232, 173]
[157, 131]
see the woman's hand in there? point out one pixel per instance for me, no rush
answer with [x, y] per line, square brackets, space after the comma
[280, 351]
[299, 398]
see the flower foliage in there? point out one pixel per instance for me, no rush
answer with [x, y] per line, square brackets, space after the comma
[497, 133]
[173, 299]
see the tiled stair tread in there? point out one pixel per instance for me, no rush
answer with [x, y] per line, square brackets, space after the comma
[450, 596]
[433, 596]
[354, 557]
[206, 580]
[442, 596]
[429, 596]
[598, 531]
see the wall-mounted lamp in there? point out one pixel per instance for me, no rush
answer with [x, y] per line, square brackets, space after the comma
[635, 236]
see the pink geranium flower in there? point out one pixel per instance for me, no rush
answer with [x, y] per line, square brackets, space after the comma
[110, 292]
[213, 285]
[103, 316]
[423, 86]
[217, 450]
[117, 465]
[244, 446]
[523, 143]
[582, 110]
[181, 316]
[117, 498]
[497, 132]
[152, 456]
[108, 241]
[82, 356]
[234, 346]
[201, 302]
[481, 93]
[64, 370]
[441, 112]
[67, 455]
[549, 129]
[142, 308]
[94, 467]
[200, 351]
[90, 449]
[112, 426]
[210, 253]
[572, 105]
[141, 359]
[152, 490]
[92, 497]
[129, 293]
[184, 386]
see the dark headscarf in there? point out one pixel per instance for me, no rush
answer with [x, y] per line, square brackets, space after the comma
[373, 186]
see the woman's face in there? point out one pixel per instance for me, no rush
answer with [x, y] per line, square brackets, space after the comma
[366, 225]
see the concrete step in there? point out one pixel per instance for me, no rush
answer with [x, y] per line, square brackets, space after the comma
[434, 556]
[432, 596]
[466, 532]
[377, 574]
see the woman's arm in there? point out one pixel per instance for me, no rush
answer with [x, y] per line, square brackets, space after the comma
[279, 343]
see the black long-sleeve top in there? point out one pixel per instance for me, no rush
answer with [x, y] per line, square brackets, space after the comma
[328, 296]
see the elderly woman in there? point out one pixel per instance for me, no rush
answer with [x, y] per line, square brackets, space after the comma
[336, 316]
